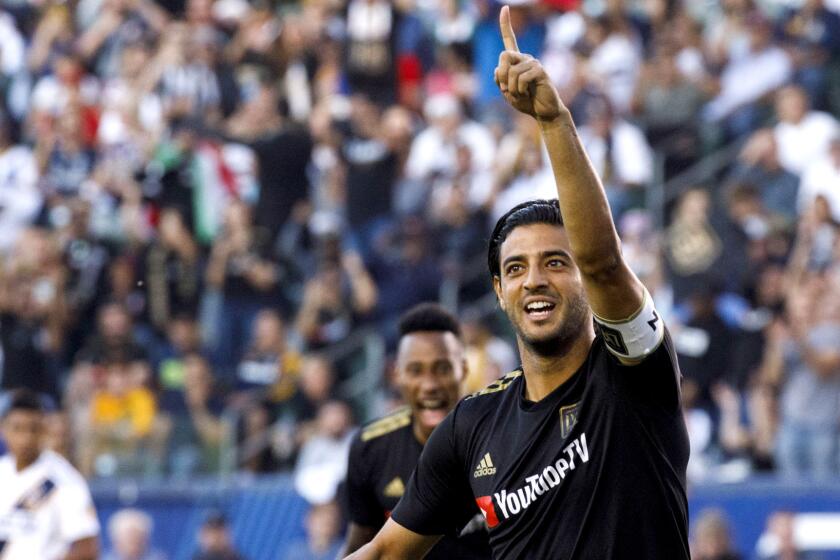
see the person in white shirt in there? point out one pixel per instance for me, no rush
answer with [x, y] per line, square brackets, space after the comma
[20, 198]
[434, 150]
[822, 178]
[620, 154]
[748, 77]
[46, 511]
[802, 135]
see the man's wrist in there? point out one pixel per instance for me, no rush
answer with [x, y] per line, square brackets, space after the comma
[562, 120]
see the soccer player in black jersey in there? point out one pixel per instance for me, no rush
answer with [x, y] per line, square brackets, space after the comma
[430, 366]
[587, 440]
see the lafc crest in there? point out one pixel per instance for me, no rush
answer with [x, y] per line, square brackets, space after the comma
[568, 418]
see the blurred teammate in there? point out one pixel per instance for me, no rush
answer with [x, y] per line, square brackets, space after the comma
[587, 443]
[46, 511]
[430, 368]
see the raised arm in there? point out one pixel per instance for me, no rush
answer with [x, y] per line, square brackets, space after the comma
[614, 292]
[395, 542]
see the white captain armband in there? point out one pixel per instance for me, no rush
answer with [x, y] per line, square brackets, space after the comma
[637, 336]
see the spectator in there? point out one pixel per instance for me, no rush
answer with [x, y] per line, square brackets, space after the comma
[758, 165]
[781, 527]
[315, 387]
[666, 103]
[32, 315]
[172, 271]
[488, 356]
[811, 33]
[336, 298]
[434, 150]
[214, 539]
[692, 247]
[182, 339]
[283, 153]
[801, 135]
[711, 537]
[130, 531]
[404, 253]
[521, 172]
[821, 178]
[748, 76]
[193, 423]
[19, 195]
[123, 433]
[323, 536]
[620, 154]
[322, 463]
[803, 362]
[615, 58]
[371, 171]
[269, 367]
[242, 269]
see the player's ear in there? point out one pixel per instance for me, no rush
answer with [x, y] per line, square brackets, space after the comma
[497, 287]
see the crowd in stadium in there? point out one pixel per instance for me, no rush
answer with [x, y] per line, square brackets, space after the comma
[199, 199]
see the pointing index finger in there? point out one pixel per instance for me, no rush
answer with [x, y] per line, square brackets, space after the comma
[507, 30]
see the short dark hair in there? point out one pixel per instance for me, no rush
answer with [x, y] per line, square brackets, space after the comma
[538, 211]
[429, 317]
[23, 399]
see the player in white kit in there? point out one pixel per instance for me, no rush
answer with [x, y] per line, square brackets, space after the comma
[46, 511]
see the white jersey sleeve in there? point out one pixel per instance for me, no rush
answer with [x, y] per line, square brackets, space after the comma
[636, 337]
[76, 514]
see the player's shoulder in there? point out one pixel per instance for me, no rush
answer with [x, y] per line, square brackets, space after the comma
[61, 470]
[501, 384]
[492, 395]
[388, 425]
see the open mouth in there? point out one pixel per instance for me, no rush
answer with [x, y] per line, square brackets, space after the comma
[539, 309]
[431, 412]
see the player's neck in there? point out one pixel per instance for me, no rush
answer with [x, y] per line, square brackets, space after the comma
[543, 374]
[419, 433]
[23, 462]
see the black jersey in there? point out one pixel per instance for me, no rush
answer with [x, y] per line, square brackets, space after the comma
[382, 457]
[595, 470]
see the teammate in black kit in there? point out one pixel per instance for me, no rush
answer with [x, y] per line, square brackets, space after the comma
[430, 368]
[587, 442]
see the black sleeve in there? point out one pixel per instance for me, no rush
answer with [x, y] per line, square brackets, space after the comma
[655, 380]
[438, 499]
[362, 506]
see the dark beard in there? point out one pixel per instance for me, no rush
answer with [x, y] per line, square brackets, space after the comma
[567, 333]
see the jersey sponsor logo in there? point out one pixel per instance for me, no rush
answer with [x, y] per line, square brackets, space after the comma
[33, 499]
[485, 467]
[517, 501]
[485, 505]
[568, 419]
[394, 489]
[614, 339]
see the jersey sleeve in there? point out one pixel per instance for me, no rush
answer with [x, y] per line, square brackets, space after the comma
[76, 515]
[438, 499]
[654, 381]
[362, 506]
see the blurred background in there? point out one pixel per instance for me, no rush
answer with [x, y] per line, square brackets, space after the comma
[212, 213]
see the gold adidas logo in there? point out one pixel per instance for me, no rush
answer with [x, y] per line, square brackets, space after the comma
[485, 467]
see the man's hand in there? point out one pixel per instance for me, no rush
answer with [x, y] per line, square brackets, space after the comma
[522, 79]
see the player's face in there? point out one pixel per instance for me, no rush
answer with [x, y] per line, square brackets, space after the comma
[540, 288]
[22, 431]
[430, 368]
